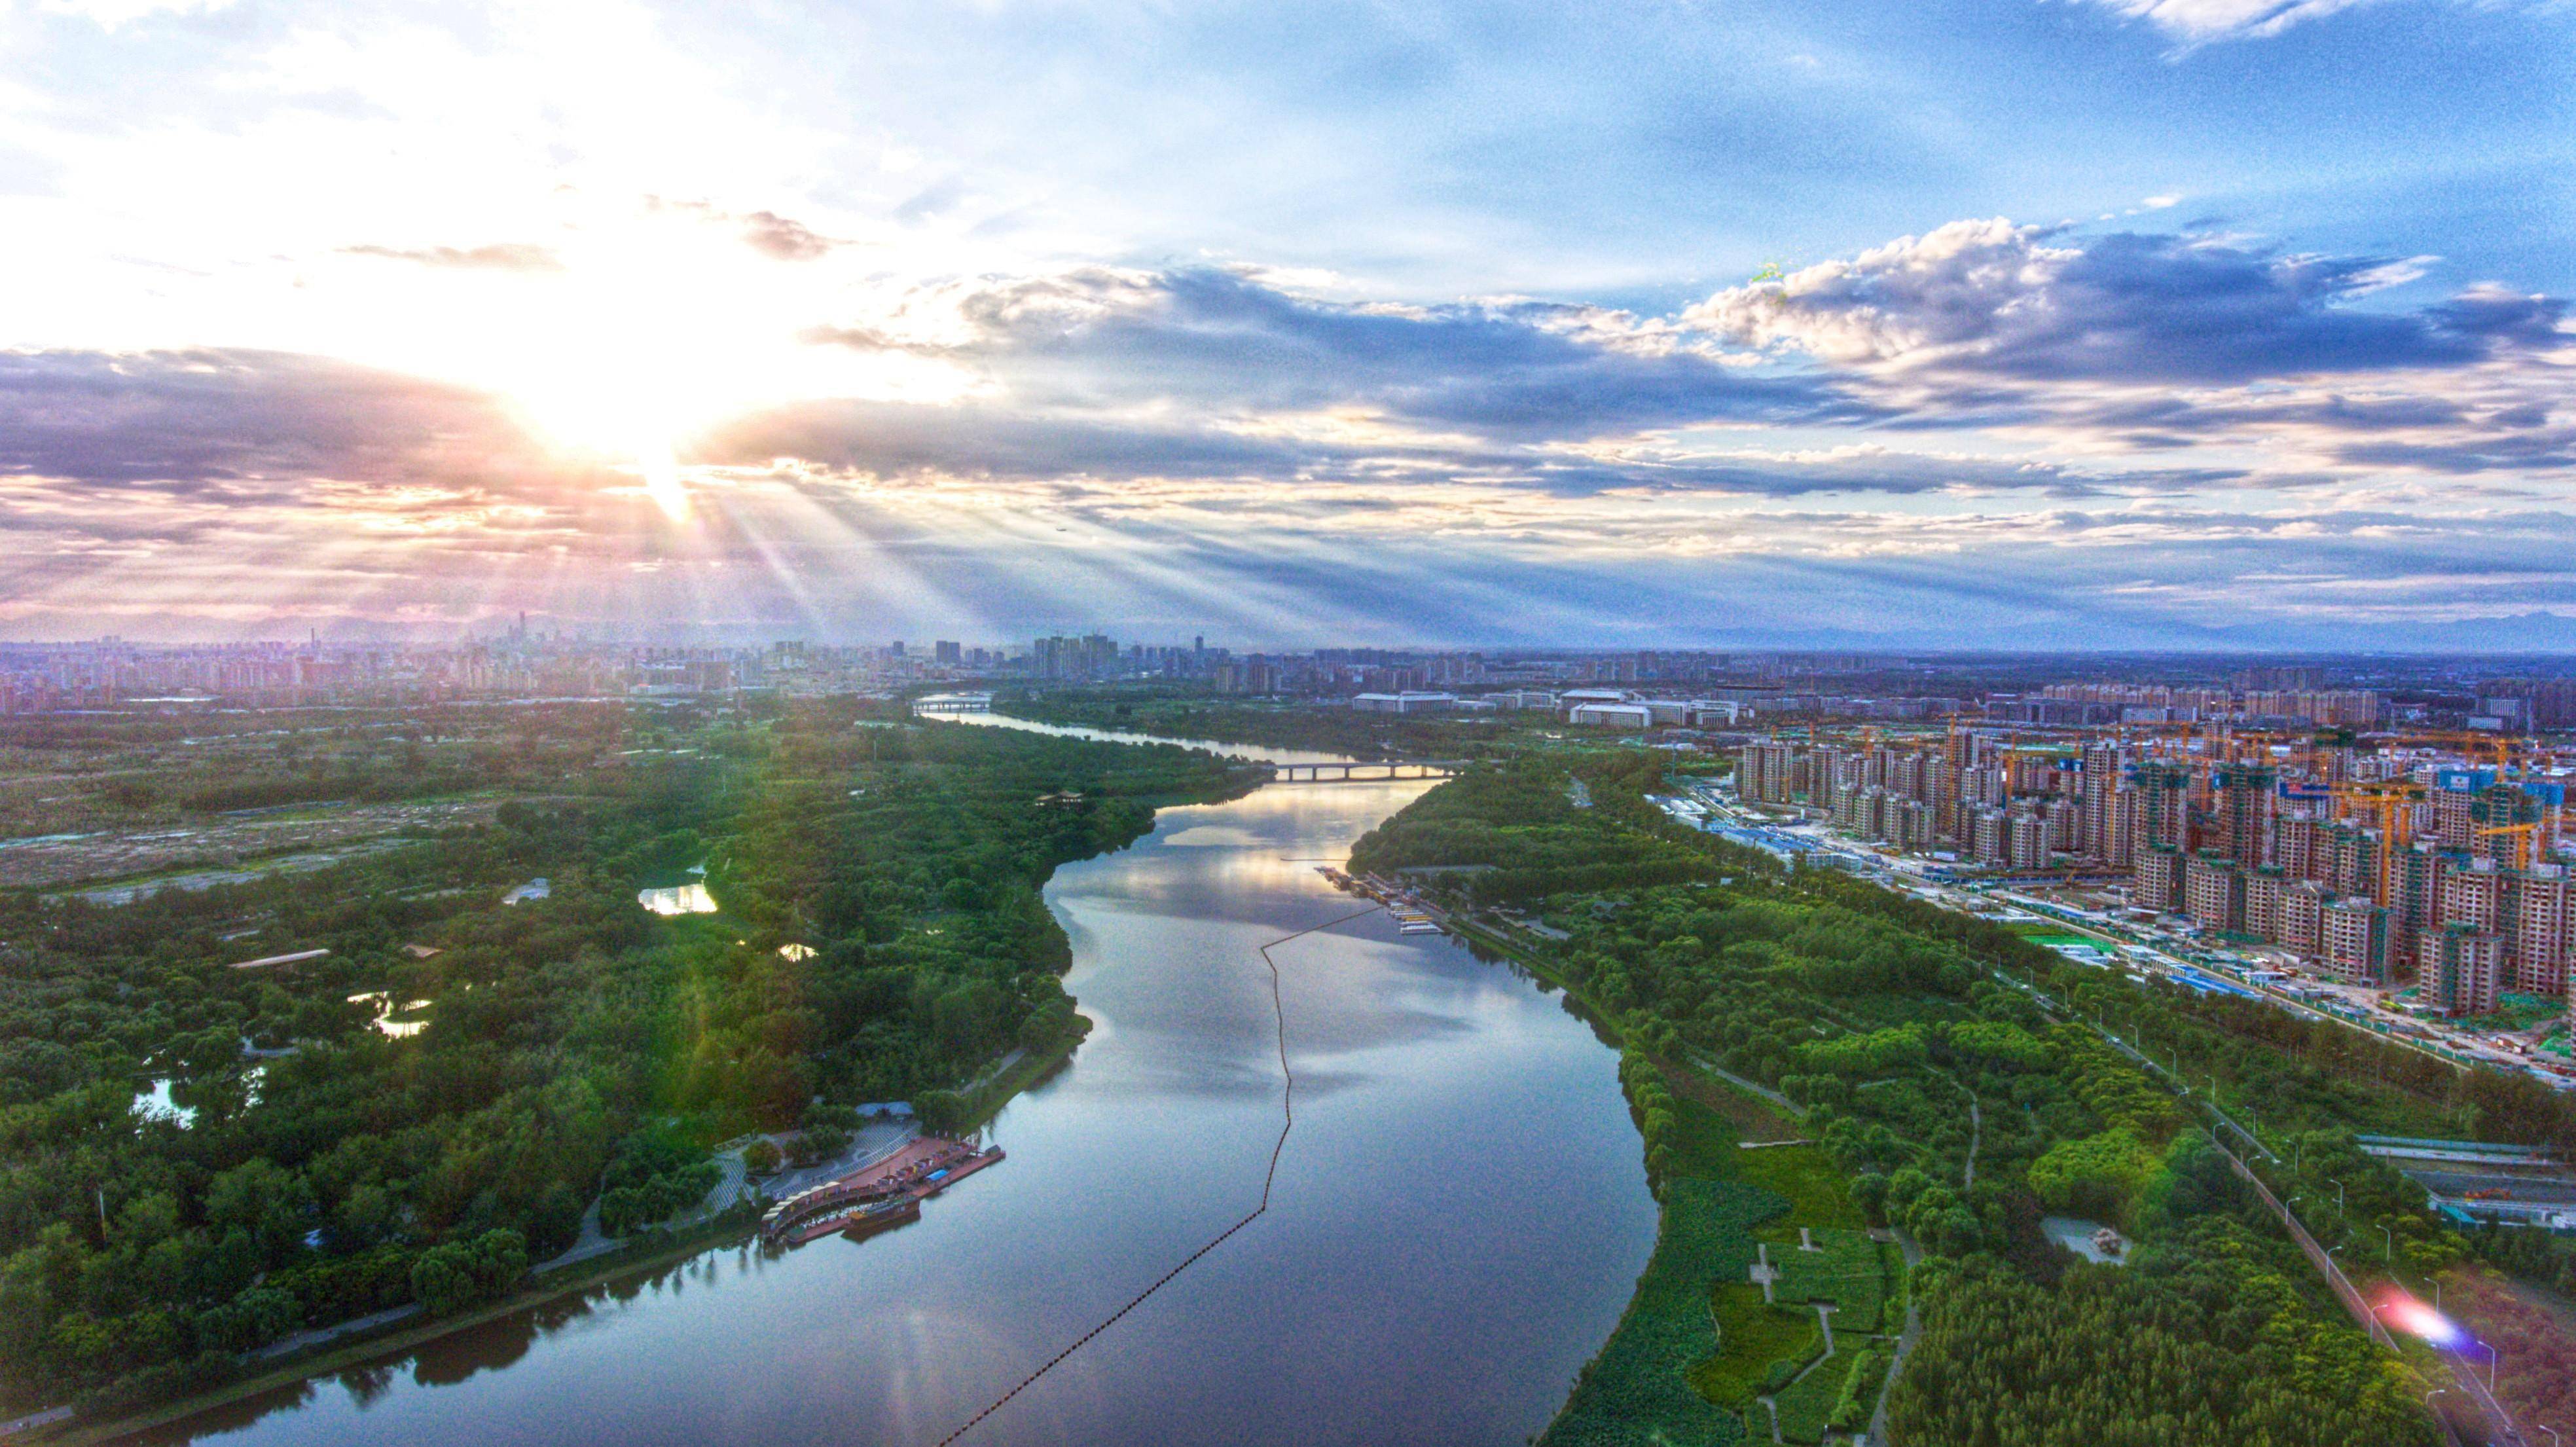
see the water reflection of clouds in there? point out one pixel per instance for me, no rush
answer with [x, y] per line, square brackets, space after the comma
[1211, 836]
[1154, 1136]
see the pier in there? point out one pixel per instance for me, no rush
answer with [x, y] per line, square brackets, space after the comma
[922, 1168]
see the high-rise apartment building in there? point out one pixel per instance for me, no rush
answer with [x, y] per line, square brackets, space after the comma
[2241, 811]
[2161, 812]
[2539, 935]
[2157, 880]
[2356, 941]
[2213, 892]
[2461, 969]
[1762, 773]
[2302, 918]
[2266, 889]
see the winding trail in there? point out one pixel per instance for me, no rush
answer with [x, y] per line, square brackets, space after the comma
[1287, 1123]
[1905, 1339]
[1976, 1137]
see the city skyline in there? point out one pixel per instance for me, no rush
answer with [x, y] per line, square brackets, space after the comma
[2105, 324]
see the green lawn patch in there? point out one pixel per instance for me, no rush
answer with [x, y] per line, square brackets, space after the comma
[1751, 1116]
[2516, 1011]
[1759, 1346]
[1847, 1272]
[1819, 1193]
[1806, 1406]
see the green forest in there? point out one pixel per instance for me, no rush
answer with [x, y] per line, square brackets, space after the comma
[1959, 1103]
[880, 937]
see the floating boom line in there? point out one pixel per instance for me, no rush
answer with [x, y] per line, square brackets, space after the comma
[1287, 1123]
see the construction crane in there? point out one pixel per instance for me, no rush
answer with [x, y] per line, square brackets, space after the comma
[2520, 834]
[2388, 806]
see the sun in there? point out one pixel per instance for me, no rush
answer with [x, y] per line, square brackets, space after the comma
[642, 336]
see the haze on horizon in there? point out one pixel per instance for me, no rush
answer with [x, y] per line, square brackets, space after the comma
[2015, 323]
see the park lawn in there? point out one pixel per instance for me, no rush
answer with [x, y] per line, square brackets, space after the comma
[1760, 1346]
[1847, 1271]
[1806, 1407]
[1752, 1117]
[1818, 1191]
[1698, 1344]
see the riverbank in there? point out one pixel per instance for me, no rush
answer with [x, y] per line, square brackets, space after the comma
[975, 1107]
[984, 1100]
[642, 1260]
[735, 1227]
[1498, 1291]
[1753, 1362]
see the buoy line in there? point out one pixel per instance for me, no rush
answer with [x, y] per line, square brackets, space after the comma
[1287, 1122]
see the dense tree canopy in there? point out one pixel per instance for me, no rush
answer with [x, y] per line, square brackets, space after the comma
[881, 935]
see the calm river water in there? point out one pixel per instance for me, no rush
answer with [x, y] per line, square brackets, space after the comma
[1458, 1218]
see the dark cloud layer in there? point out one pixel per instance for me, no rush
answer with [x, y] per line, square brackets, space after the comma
[1991, 298]
[1741, 469]
[213, 415]
[1232, 341]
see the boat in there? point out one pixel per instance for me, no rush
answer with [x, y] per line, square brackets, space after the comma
[884, 1215]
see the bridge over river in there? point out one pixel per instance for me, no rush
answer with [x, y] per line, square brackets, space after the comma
[1356, 773]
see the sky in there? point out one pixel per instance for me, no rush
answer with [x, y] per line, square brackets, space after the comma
[2069, 324]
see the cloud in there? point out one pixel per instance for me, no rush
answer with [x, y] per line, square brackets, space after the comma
[1230, 339]
[2026, 302]
[235, 417]
[521, 256]
[115, 14]
[1989, 433]
[2207, 20]
[782, 239]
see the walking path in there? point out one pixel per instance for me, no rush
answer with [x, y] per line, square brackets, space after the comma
[1794, 1109]
[1905, 1339]
[1976, 1126]
[289, 1345]
[873, 1142]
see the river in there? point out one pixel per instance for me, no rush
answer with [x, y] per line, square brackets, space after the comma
[1456, 1223]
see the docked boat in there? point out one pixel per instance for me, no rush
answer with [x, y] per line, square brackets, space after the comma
[884, 1215]
[857, 1222]
[925, 1167]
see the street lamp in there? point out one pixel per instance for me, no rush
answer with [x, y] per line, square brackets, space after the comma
[2388, 1239]
[2338, 1185]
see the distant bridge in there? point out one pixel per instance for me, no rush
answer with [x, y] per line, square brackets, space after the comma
[1362, 773]
[953, 703]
